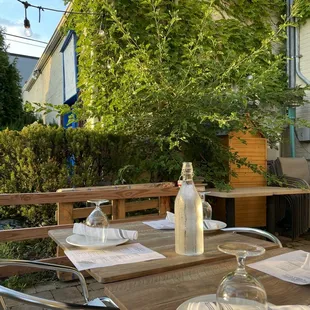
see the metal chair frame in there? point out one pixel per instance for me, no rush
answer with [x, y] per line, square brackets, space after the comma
[46, 303]
[256, 231]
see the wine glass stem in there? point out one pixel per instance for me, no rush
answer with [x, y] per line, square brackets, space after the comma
[241, 265]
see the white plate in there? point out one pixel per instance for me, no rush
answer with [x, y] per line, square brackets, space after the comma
[80, 241]
[202, 298]
[220, 225]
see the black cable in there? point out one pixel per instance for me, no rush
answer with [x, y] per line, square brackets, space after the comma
[13, 35]
[41, 8]
[25, 43]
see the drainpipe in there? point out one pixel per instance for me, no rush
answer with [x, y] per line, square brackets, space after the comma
[298, 56]
[291, 71]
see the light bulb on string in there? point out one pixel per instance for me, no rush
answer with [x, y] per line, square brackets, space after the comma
[101, 30]
[27, 31]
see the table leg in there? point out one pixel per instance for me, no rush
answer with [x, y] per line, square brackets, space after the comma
[271, 213]
[230, 212]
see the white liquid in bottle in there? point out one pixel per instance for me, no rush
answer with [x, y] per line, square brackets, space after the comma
[189, 239]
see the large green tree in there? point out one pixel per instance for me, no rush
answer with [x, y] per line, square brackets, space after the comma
[11, 108]
[178, 71]
[174, 68]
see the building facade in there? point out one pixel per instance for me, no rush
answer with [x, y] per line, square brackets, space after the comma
[24, 64]
[54, 78]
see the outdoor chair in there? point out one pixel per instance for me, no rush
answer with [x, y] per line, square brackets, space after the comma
[292, 210]
[296, 169]
[256, 231]
[106, 302]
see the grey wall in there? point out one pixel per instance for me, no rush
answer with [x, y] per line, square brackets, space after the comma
[25, 65]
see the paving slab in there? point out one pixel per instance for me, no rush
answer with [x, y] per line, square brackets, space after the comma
[68, 294]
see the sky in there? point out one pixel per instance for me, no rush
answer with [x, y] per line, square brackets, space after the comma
[12, 16]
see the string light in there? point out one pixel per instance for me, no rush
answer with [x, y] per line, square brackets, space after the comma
[28, 31]
[42, 8]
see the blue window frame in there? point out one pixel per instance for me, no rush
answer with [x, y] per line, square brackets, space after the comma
[70, 75]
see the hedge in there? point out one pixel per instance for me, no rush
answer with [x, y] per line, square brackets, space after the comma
[45, 158]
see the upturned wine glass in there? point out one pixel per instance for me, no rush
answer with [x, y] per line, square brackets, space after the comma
[98, 219]
[206, 207]
[238, 289]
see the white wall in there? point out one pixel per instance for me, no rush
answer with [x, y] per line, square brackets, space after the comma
[303, 148]
[48, 88]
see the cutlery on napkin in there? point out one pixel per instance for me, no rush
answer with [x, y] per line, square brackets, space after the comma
[213, 306]
[207, 224]
[112, 233]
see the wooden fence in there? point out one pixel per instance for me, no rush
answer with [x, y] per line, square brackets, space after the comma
[65, 215]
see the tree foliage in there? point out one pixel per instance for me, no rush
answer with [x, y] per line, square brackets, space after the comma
[301, 10]
[177, 69]
[10, 91]
[180, 71]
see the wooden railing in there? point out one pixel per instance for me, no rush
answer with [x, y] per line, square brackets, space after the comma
[66, 214]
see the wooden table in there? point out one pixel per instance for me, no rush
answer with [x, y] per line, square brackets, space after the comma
[160, 241]
[170, 289]
[263, 191]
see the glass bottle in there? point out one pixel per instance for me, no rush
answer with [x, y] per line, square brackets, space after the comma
[189, 239]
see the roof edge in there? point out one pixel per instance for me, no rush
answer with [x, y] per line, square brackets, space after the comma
[48, 51]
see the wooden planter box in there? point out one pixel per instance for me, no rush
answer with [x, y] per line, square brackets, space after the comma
[250, 212]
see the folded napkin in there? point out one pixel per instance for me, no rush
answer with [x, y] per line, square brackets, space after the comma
[111, 233]
[306, 264]
[207, 224]
[213, 306]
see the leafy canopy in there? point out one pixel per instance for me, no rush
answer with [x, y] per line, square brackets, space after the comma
[12, 114]
[10, 91]
[179, 71]
[172, 70]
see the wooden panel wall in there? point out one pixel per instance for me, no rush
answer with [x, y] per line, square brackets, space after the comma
[251, 211]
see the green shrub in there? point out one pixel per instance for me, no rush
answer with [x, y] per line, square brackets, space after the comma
[45, 158]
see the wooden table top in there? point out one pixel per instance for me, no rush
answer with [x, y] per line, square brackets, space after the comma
[161, 241]
[170, 289]
[260, 191]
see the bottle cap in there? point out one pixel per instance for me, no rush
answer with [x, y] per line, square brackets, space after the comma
[187, 168]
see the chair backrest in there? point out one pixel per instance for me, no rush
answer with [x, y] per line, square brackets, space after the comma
[256, 231]
[42, 302]
[45, 303]
[293, 167]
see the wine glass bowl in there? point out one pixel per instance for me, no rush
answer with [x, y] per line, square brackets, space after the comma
[239, 289]
[98, 219]
[206, 207]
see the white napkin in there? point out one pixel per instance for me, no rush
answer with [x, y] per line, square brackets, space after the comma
[306, 264]
[213, 306]
[170, 217]
[112, 233]
[96, 302]
[207, 224]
